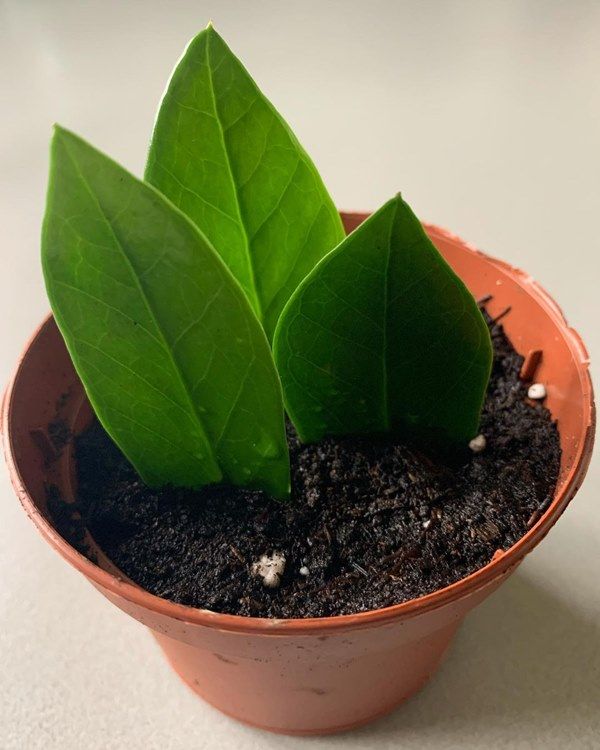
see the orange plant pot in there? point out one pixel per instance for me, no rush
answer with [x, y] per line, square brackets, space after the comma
[322, 675]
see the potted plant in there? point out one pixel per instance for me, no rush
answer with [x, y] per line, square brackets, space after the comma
[303, 574]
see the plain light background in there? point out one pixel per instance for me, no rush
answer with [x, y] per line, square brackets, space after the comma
[487, 116]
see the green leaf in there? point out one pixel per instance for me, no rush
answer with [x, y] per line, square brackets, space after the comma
[382, 336]
[170, 353]
[227, 159]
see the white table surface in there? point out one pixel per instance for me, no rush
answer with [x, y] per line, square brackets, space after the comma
[487, 116]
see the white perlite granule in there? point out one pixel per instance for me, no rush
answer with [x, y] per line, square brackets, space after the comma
[537, 391]
[270, 568]
[478, 444]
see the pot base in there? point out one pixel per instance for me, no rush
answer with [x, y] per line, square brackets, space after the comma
[308, 732]
[303, 711]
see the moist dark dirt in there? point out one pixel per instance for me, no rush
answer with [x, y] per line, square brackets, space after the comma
[371, 522]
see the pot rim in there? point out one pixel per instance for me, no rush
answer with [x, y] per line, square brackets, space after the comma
[499, 566]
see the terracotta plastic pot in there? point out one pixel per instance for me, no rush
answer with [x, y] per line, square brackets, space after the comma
[315, 675]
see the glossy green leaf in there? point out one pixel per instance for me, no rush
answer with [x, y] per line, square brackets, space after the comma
[227, 159]
[172, 357]
[382, 336]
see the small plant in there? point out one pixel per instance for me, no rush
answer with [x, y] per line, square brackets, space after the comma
[170, 292]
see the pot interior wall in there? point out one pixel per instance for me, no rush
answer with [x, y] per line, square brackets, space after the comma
[534, 323]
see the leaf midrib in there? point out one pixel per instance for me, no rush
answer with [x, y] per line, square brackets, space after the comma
[148, 306]
[249, 259]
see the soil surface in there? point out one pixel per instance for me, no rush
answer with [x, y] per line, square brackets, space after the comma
[372, 523]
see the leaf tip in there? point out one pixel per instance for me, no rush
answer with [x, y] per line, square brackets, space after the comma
[58, 138]
[61, 133]
[58, 130]
[210, 29]
[196, 44]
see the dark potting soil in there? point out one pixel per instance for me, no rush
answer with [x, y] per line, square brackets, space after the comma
[371, 522]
